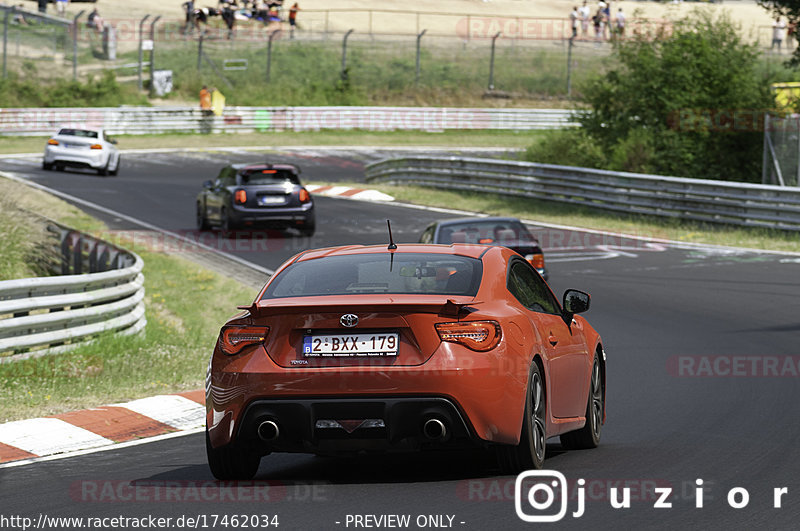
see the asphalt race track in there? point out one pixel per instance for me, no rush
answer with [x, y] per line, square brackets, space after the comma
[703, 372]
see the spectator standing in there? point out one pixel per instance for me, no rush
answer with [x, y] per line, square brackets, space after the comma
[597, 21]
[584, 12]
[205, 101]
[606, 18]
[61, 7]
[777, 33]
[293, 17]
[95, 21]
[573, 22]
[42, 6]
[791, 31]
[620, 23]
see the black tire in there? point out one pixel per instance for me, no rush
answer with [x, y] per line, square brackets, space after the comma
[115, 171]
[103, 172]
[230, 462]
[59, 167]
[589, 436]
[530, 452]
[47, 166]
[225, 224]
[202, 222]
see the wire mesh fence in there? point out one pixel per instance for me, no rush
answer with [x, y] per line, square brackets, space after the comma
[781, 150]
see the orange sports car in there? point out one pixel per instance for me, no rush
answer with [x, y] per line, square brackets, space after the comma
[409, 347]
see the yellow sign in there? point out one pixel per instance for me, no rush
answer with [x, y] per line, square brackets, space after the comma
[787, 96]
[218, 102]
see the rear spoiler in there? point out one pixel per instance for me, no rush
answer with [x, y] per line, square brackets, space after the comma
[450, 308]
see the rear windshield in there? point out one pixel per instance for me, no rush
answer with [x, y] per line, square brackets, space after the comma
[406, 273]
[267, 176]
[78, 132]
[499, 232]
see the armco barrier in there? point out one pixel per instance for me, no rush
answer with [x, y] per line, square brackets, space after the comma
[101, 289]
[741, 204]
[149, 120]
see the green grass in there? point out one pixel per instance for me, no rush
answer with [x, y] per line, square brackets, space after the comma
[455, 139]
[185, 306]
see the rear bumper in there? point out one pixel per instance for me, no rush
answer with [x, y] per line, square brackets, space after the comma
[332, 425]
[292, 216]
[485, 393]
[94, 159]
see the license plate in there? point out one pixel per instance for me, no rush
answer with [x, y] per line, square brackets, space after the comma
[271, 200]
[346, 345]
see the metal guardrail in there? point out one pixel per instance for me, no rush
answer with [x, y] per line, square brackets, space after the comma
[149, 120]
[100, 289]
[742, 204]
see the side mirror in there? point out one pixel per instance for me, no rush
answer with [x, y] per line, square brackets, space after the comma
[575, 302]
[208, 185]
[112, 141]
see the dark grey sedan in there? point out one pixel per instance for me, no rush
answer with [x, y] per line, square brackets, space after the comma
[250, 195]
[506, 232]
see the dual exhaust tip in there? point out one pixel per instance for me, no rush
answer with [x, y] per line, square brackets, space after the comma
[433, 429]
[268, 431]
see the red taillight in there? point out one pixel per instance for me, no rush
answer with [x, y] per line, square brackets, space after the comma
[234, 338]
[536, 260]
[240, 197]
[304, 196]
[475, 335]
[53, 142]
[96, 146]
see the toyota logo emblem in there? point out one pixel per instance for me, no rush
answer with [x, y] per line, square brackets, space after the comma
[349, 320]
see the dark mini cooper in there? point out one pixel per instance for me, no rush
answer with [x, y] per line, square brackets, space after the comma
[506, 232]
[248, 195]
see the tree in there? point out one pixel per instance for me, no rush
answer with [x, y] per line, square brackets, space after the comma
[675, 103]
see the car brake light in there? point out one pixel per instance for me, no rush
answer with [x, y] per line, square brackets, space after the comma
[240, 197]
[475, 335]
[234, 338]
[536, 260]
[304, 196]
[53, 142]
[96, 146]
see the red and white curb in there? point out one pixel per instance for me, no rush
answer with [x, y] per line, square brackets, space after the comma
[359, 194]
[101, 427]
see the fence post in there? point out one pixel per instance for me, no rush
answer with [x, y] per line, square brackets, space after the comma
[419, 38]
[491, 62]
[153, 54]
[795, 126]
[765, 158]
[5, 40]
[141, 53]
[200, 51]
[343, 73]
[269, 52]
[569, 68]
[75, 45]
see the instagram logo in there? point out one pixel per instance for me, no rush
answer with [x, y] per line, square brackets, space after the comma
[542, 488]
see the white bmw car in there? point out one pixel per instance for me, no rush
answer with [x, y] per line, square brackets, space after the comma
[84, 147]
